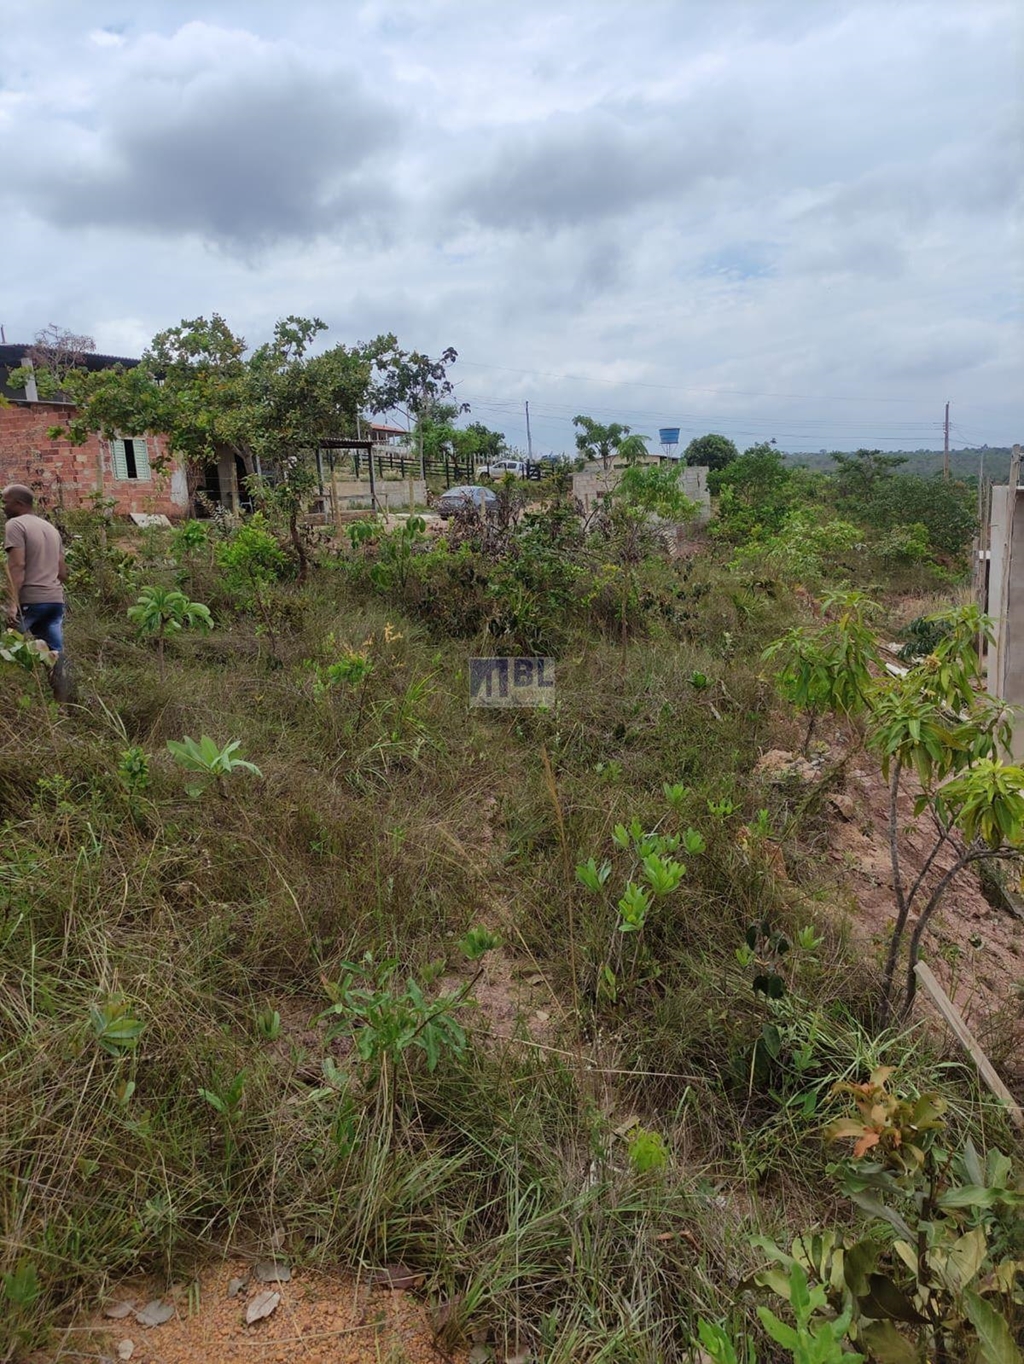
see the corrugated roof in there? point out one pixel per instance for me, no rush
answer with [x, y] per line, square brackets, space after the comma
[13, 353]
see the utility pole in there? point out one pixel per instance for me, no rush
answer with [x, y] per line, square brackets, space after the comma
[945, 445]
[529, 438]
[419, 426]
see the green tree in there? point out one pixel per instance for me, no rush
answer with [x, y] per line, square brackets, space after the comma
[633, 449]
[945, 509]
[595, 441]
[932, 723]
[858, 475]
[296, 401]
[828, 666]
[188, 386]
[197, 385]
[482, 443]
[755, 491]
[410, 381]
[711, 451]
[442, 438]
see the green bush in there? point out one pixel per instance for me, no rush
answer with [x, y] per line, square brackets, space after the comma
[945, 509]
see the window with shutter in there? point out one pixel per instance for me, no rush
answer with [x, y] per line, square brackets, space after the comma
[142, 459]
[130, 458]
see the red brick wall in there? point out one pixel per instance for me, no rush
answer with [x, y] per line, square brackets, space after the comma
[60, 473]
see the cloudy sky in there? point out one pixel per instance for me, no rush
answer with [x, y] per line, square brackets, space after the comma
[797, 219]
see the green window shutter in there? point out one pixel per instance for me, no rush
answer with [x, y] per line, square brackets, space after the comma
[142, 469]
[118, 457]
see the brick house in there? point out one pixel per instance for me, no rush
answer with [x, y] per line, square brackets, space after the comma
[62, 474]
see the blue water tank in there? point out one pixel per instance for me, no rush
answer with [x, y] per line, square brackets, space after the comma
[669, 435]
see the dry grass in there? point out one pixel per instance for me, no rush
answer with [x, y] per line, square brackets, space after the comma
[390, 821]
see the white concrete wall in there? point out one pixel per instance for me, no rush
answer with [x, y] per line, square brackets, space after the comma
[1005, 605]
[592, 484]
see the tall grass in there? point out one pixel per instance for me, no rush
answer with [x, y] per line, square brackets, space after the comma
[388, 821]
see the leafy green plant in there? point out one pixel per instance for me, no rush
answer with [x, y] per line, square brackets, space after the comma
[647, 1151]
[828, 666]
[268, 1023]
[720, 1347]
[933, 722]
[253, 562]
[187, 541]
[474, 944]
[160, 612]
[21, 1285]
[133, 769]
[654, 873]
[25, 652]
[209, 761]
[394, 551]
[949, 1288]
[113, 1026]
[817, 1337]
[814, 1339]
[385, 1021]
[190, 537]
[226, 1101]
[21, 1292]
[351, 670]
[782, 1057]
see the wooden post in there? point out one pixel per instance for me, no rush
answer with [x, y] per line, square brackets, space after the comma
[969, 1042]
[373, 485]
[412, 499]
[1002, 611]
[335, 499]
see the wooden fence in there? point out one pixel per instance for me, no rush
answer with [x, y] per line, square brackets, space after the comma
[449, 467]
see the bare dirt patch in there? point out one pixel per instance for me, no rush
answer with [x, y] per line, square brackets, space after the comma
[975, 948]
[318, 1320]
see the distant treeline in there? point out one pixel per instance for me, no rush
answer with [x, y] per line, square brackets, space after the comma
[964, 464]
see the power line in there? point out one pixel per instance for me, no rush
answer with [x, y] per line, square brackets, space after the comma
[683, 388]
[555, 410]
[793, 428]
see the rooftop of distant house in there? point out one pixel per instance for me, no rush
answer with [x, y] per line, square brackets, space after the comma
[13, 355]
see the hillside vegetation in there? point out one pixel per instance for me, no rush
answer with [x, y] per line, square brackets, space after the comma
[967, 464]
[240, 973]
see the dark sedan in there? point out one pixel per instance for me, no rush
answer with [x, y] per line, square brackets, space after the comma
[466, 495]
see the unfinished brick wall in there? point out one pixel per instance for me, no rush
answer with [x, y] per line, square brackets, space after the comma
[62, 474]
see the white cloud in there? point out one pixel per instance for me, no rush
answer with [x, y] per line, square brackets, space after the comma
[703, 209]
[105, 37]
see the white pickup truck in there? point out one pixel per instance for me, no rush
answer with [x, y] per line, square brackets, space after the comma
[500, 467]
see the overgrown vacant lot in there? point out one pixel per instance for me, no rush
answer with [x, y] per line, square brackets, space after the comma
[238, 1002]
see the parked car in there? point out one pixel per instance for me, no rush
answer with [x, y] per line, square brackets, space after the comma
[466, 495]
[500, 467]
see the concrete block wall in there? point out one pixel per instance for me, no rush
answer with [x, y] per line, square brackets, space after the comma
[62, 474]
[592, 484]
[392, 494]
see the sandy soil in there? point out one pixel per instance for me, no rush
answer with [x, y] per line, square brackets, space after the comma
[318, 1320]
[975, 949]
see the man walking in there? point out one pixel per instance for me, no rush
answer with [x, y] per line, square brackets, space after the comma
[36, 572]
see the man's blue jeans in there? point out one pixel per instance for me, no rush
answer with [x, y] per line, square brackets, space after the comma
[44, 620]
